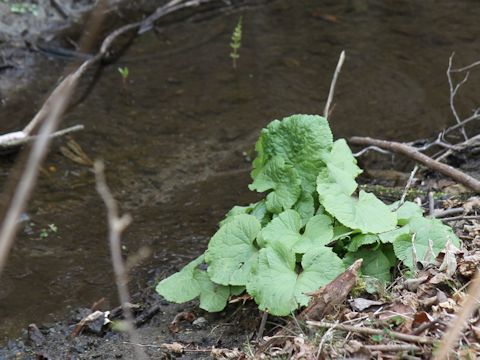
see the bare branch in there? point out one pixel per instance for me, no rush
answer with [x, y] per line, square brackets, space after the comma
[341, 59]
[116, 225]
[453, 92]
[465, 68]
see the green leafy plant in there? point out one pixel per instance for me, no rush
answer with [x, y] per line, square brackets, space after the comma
[236, 42]
[45, 232]
[124, 72]
[308, 228]
[23, 8]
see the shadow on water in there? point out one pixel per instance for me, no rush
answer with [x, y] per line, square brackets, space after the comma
[176, 138]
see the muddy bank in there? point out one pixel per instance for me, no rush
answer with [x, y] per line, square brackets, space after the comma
[230, 329]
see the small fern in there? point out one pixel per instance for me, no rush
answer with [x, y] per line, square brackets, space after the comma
[236, 42]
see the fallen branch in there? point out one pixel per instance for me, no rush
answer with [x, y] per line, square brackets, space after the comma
[392, 347]
[370, 331]
[413, 153]
[18, 138]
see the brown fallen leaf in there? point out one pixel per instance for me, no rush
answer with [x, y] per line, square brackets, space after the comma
[470, 204]
[175, 347]
[223, 354]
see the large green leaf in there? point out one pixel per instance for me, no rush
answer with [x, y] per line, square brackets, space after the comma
[285, 230]
[425, 230]
[408, 210]
[301, 141]
[231, 251]
[367, 213]
[318, 231]
[278, 289]
[342, 167]
[393, 235]
[258, 209]
[360, 240]
[181, 286]
[305, 206]
[192, 282]
[213, 297]
[283, 180]
[377, 262]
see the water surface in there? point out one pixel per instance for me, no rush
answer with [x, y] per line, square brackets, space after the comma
[177, 138]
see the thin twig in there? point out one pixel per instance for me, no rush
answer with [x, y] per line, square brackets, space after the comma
[22, 139]
[453, 211]
[450, 337]
[116, 225]
[431, 204]
[261, 329]
[453, 92]
[465, 68]
[393, 347]
[455, 218]
[341, 59]
[370, 331]
[372, 148]
[410, 180]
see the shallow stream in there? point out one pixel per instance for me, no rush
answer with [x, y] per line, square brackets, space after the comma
[177, 137]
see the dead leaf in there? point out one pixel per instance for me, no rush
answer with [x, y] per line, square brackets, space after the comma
[222, 354]
[413, 284]
[175, 347]
[470, 204]
[422, 317]
[449, 264]
[467, 266]
[361, 304]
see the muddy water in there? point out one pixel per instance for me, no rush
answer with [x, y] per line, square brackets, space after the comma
[177, 137]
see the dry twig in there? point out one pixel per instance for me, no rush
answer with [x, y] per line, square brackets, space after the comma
[341, 59]
[370, 331]
[116, 225]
